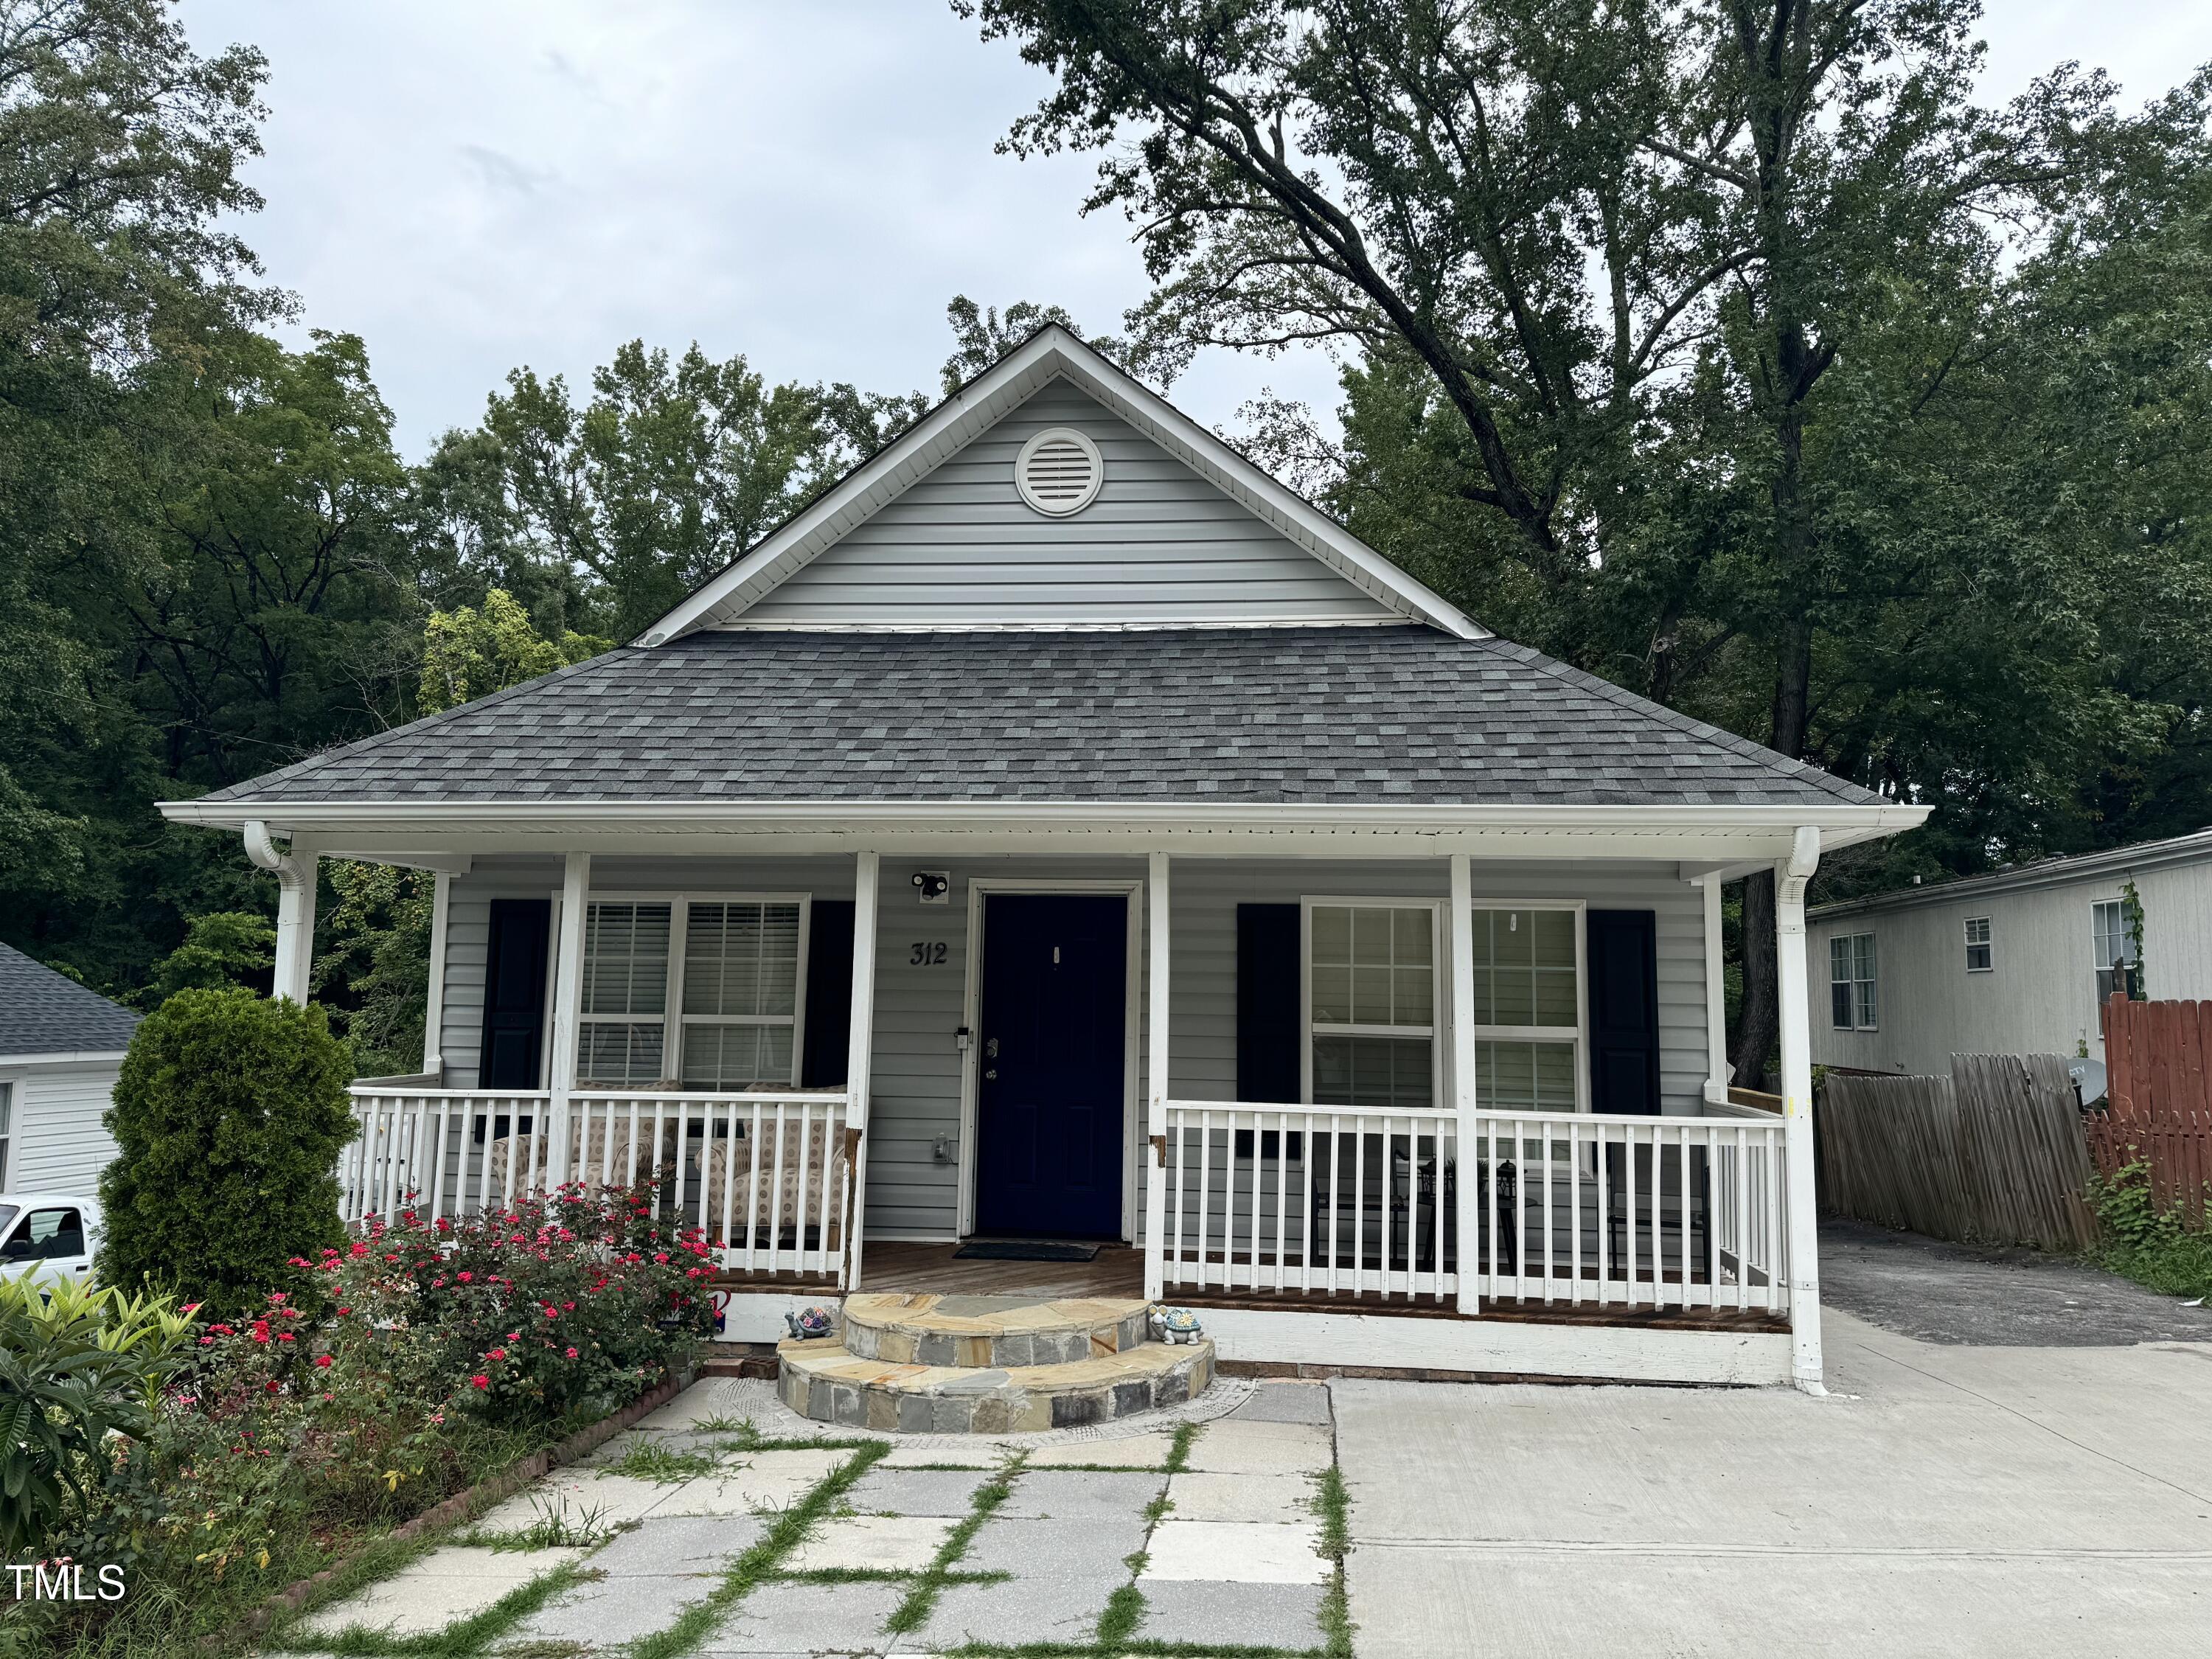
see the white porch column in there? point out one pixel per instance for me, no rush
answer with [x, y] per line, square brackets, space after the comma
[434, 1006]
[568, 1010]
[1717, 1061]
[1461, 936]
[1156, 1080]
[295, 871]
[860, 1048]
[1790, 876]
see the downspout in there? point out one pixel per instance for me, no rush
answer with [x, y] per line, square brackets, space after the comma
[296, 909]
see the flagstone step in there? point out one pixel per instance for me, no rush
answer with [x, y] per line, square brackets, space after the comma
[823, 1379]
[1003, 1332]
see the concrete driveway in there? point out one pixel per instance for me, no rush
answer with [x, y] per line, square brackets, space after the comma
[1944, 1500]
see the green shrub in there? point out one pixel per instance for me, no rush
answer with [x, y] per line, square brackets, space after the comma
[228, 1117]
[79, 1368]
[2139, 1241]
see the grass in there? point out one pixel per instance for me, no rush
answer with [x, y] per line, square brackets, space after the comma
[1335, 1506]
[553, 1528]
[913, 1612]
[651, 1460]
[466, 1638]
[1186, 1435]
[699, 1620]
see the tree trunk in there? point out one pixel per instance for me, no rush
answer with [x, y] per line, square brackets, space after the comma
[1759, 1030]
[1759, 1033]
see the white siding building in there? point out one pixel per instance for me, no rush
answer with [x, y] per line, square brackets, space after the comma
[61, 1046]
[2013, 963]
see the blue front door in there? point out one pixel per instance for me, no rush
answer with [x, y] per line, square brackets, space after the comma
[1050, 1083]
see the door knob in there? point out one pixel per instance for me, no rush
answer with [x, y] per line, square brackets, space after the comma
[992, 1072]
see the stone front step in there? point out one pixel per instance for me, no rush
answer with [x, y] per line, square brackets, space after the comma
[991, 1331]
[823, 1379]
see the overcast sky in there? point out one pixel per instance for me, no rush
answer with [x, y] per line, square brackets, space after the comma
[472, 185]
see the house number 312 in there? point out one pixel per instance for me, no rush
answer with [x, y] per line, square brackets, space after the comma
[927, 953]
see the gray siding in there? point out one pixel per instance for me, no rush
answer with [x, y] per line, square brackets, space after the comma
[1159, 544]
[917, 1063]
[2040, 994]
[60, 1144]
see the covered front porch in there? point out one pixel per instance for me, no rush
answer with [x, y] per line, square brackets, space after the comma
[1360, 1109]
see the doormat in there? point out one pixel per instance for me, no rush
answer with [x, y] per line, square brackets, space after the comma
[1016, 1250]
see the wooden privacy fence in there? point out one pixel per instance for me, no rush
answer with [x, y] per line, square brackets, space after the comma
[1995, 1153]
[2159, 1099]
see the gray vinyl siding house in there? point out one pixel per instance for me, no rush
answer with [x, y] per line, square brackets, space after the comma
[1060, 828]
[61, 1049]
[2015, 961]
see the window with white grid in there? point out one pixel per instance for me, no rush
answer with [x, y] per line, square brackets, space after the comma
[621, 1035]
[1528, 1008]
[1851, 1000]
[1981, 949]
[1371, 989]
[2108, 945]
[741, 989]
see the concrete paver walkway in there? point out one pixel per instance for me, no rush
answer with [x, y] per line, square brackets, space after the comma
[1944, 1500]
[713, 1534]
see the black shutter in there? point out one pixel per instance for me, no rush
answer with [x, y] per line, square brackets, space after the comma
[1624, 1012]
[828, 996]
[1268, 1034]
[514, 994]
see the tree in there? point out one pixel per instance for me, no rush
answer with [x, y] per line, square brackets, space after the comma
[673, 468]
[981, 337]
[1638, 297]
[229, 1115]
[470, 653]
[120, 159]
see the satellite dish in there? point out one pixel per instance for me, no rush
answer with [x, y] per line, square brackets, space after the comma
[2088, 1077]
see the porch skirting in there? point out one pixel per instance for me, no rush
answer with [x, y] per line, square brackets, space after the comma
[1559, 1345]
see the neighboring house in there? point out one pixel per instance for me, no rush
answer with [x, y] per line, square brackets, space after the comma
[61, 1046]
[2013, 962]
[1061, 828]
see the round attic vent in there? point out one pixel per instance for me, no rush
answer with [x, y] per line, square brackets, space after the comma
[1059, 471]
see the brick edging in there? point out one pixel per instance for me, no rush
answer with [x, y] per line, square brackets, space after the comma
[508, 1481]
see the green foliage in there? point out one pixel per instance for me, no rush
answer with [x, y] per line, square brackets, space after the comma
[471, 653]
[2140, 1241]
[627, 501]
[1738, 355]
[223, 949]
[78, 1367]
[227, 1117]
[375, 975]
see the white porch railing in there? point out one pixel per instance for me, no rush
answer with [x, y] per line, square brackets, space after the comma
[1569, 1209]
[1248, 1187]
[1652, 1211]
[767, 1176]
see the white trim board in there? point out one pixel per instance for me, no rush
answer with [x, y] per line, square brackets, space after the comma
[1499, 1347]
[1050, 353]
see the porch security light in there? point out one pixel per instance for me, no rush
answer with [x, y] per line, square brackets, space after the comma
[934, 884]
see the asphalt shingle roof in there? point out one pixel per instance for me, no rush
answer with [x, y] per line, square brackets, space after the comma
[44, 1012]
[1295, 715]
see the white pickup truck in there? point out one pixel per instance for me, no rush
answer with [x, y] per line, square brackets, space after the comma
[50, 1237]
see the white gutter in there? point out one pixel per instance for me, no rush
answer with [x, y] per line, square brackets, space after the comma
[1424, 817]
[64, 1057]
